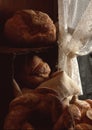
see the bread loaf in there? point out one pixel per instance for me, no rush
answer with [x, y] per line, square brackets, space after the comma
[85, 109]
[40, 110]
[65, 121]
[34, 72]
[82, 104]
[30, 28]
[83, 126]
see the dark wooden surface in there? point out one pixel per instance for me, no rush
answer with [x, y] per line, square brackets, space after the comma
[18, 51]
[6, 90]
[10, 6]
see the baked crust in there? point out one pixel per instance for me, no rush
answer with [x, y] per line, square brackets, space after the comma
[29, 27]
[37, 109]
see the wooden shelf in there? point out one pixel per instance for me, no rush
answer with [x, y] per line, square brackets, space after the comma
[18, 51]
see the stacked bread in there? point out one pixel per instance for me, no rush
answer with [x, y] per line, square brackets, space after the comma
[50, 106]
[51, 102]
[77, 116]
[33, 111]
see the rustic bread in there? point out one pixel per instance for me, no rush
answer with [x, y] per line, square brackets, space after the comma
[38, 110]
[33, 72]
[83, 126]
[30, 28]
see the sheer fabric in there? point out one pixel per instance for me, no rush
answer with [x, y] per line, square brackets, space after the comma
[75, 35]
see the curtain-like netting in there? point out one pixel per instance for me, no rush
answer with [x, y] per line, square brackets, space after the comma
[75, 35]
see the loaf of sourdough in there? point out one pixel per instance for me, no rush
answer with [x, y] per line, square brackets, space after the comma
[29, 27]
[39, 111]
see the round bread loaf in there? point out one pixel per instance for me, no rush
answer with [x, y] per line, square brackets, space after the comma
[29, 27]
[38, 110]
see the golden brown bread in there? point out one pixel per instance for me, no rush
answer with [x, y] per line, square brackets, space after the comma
[71, 118]
[85, 109]
[82, 104]
[45, 108]
[89, 113]
[16, 117]
[76, 113]
[65, 121]
[83, 126]
[29, 26]
[87, 118]
[34, 72]
[40, 110]
[89, 101]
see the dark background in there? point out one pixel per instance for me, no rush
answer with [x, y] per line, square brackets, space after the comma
[7, 9]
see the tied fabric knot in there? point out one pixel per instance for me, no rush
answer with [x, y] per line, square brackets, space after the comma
[77, 43]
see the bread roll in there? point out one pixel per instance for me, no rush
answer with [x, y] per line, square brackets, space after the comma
[34, 72]
[85, 109]
[39, 110]
[82, 104]
[30, 28]
[83, 126]
[89, 101]
[76, 113]
[65, 121]
[89, 113]
[87, 118]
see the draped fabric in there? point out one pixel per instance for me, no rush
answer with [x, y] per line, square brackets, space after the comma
[75, 35]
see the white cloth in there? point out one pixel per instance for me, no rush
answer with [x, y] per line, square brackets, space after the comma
[76, 9]
[76, 15]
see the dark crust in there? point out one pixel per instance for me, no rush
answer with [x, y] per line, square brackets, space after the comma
[28, 27]
[43, 110]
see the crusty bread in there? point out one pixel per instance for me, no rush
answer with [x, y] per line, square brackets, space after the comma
[83, 126]
[89, 101]
[34, 72]
[29, 27]
[65, 121]
[40, 110]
